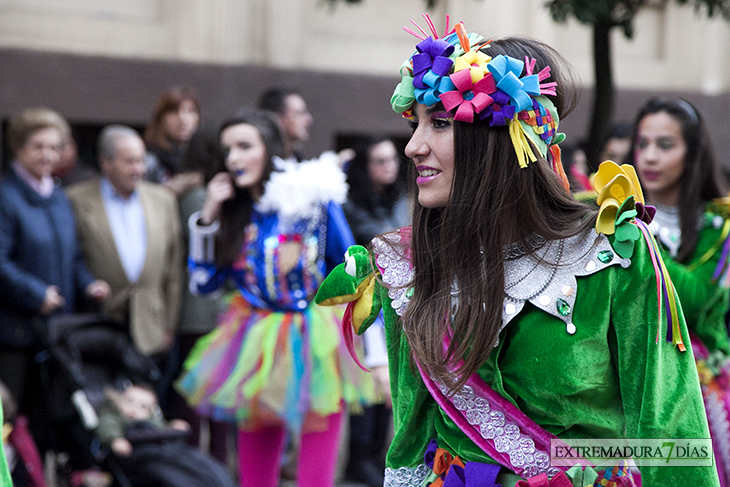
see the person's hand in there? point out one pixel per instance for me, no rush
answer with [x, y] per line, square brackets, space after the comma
[381, 377]
[219, 189]
[51, 301]
[180, 425]
[122, 447]
[182, 182]
[345, 156]
[98, 290]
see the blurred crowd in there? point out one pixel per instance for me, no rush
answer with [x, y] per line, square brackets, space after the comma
[110, 240]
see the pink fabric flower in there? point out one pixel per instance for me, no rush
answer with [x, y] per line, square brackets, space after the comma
[471, 97]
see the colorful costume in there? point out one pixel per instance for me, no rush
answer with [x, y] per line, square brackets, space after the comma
[592, 342]
[579, 353]
[275, 357]
[701, 284]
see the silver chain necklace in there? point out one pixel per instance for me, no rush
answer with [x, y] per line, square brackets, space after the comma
[553, 269]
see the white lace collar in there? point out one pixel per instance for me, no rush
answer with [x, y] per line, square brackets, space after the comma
[547, 279]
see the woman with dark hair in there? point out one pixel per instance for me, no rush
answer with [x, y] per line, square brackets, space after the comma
[673, 156]
[275, 362]
[511, 323]
[174, 120]
[377, 202]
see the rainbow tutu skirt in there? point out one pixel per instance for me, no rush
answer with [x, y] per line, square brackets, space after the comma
[263, 367]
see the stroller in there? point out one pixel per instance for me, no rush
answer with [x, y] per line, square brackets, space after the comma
[87, 353]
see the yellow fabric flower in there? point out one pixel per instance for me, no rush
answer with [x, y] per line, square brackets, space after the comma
[614, 185]
[475, 61]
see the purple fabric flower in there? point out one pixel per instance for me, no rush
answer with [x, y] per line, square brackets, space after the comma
[645, 213]
[430, 454]
[433, 55]
[500, 111]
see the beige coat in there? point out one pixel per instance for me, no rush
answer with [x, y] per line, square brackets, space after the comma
[153, 302]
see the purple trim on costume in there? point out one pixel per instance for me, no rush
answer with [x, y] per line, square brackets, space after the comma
[474, 474]
[306, 380]
[667, 308]
[430, 454]
[723, 259]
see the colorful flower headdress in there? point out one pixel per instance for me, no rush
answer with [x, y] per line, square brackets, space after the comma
[454, 71]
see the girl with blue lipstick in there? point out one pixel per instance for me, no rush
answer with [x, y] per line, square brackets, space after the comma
[275, 362]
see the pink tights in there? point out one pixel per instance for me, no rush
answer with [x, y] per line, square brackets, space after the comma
[260, 452]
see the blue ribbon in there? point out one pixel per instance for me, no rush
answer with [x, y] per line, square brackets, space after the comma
[506, 71]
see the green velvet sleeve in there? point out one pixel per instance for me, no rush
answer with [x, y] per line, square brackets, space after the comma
[704, 302]
[610, 379]
[659, 386]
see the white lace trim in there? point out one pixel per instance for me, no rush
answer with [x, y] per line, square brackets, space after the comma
[537, 278]
[395, 268]
[719, 427]
[405, 476]
[506, 435]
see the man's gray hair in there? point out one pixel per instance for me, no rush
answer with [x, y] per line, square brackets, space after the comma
[106, 143]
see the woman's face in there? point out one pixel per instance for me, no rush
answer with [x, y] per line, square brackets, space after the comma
[383, 164]
[245, 154]
[41, 153]
[660, 157]
[181, 124]
[431, 149]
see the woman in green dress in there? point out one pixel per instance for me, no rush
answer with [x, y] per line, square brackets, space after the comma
[677, 169]
[511, 322]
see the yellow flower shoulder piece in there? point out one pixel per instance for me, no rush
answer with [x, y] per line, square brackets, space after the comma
[624, 215]
[614, 185]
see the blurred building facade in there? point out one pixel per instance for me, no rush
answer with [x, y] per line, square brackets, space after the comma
[103, 61]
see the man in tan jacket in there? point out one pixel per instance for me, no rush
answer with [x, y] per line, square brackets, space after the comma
[129, 231]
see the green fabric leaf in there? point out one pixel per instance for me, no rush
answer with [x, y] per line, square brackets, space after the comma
[627, 231]
[625, 249]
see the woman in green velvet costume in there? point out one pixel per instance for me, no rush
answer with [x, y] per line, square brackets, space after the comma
[510, 321]
[675, 163]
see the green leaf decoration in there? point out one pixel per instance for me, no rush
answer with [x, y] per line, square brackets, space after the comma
[624, 249]
[627, 231]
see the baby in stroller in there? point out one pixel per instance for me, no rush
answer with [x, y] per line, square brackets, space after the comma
[149, 450]
[93, 362]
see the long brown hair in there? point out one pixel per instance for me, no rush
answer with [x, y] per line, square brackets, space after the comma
[170, 101]
[236, 212]
[701, 179]
[493, 202]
